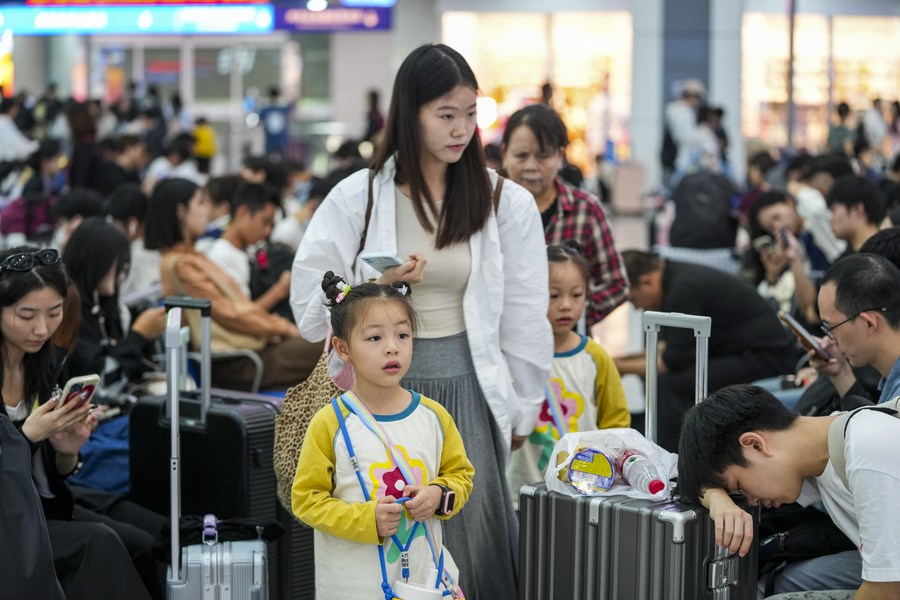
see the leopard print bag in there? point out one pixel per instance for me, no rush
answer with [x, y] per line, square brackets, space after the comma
[301, 403]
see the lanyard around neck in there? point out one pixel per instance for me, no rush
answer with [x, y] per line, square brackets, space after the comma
[352, 402]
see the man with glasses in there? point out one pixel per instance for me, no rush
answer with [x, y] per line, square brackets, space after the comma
[859, 303]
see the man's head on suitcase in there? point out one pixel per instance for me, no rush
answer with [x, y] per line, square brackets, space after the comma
[744, 440]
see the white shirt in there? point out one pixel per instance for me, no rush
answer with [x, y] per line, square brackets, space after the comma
[15, 145]
[682, 121]
[144, 273]
[867, 511]
[504, 305]
[812, 208]
[234, 261]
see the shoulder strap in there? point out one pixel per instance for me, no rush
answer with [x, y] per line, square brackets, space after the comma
[369, 203]
[838, 430]
[497, 189]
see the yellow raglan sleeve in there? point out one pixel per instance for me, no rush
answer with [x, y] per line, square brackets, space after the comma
[612, 408]
[456, 472]
[311, 497]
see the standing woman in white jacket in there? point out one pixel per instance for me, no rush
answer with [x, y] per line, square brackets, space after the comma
[483, 347]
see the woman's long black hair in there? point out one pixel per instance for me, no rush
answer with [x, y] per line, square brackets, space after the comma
[429, 72]
[93, 248]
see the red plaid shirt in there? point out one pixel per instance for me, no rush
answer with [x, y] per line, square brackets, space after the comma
[580, 217]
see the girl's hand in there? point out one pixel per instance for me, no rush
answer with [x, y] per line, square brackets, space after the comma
[424, 503]
[411, 271]
[47, 419]
[387, 516]
[70, 440]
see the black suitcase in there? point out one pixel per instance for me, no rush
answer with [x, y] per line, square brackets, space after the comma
[227, 439]
[615, 547]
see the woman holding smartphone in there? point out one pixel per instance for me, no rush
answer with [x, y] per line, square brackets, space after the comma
[90, 550]
[476, 259]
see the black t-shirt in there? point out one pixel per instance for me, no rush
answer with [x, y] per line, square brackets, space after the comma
[742, 321]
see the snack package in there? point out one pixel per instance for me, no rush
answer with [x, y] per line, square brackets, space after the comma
[583, 463]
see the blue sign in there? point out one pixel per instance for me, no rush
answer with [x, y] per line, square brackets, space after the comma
[332, 19]
[201, 19]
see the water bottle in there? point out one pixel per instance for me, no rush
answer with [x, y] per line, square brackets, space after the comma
[640, 472]
[412, 591]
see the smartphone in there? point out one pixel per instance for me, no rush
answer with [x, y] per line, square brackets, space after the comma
[784, 237]
[381, 261]
[763, 242]
[79, 389]
[805, 337]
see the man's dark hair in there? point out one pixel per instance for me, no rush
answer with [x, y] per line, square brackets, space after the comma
[835, 165]
[221, 189]
[711, 431]
[764, 161]
[866, 282]
[639, 263]
[255, 163]
[885, 243]
[128, 140]
[843, 110]
[80, 201]
[853, 190]
[126, 202]
[255, 196]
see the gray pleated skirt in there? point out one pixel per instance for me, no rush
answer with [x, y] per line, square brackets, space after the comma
[483, 537]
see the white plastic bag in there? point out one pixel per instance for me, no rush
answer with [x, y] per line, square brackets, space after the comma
[611, 442]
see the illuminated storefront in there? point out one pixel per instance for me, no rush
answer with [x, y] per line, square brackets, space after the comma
[839, 58]
[586, 56]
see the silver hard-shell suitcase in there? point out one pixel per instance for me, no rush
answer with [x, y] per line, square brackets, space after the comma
[616, 548]
[211, 570]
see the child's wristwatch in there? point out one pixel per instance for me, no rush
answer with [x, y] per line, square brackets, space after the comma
[448, 498]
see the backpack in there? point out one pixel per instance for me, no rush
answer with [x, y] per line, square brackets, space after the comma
[669, 151]
[838, 430]
[704, 213]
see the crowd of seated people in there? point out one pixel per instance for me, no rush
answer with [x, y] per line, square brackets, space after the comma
[132, 218]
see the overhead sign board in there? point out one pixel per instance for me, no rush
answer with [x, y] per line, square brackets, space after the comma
[193, 19]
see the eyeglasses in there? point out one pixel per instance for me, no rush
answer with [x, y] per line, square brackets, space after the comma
[827, 329]
[25, 261]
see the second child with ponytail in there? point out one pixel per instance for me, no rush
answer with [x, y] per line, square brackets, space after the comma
[381, 464]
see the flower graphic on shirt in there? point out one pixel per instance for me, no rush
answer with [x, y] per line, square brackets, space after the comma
[388, 480]
[545, 434]
[571, 406]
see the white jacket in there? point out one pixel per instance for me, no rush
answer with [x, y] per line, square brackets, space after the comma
[504, 305]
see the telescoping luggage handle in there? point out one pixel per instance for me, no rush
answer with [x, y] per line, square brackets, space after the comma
[173, 359]
[652, 322]
[205, 307]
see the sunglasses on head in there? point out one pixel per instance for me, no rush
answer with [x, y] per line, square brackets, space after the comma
[25, 261]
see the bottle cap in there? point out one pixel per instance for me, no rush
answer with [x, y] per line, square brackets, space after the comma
[656, 486]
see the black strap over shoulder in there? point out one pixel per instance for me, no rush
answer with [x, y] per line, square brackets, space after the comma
[497, 189]
[369, 204]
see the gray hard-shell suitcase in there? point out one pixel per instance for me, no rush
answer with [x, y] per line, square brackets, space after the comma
[617, 548]
[211, 570]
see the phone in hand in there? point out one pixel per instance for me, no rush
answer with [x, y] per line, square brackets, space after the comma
[805, 337]
[79, 390]
[381, 261]
[763, 243]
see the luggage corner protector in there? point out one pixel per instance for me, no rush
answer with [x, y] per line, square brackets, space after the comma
[678, 519]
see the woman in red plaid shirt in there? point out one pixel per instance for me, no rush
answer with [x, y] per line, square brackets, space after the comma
[533, 146]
